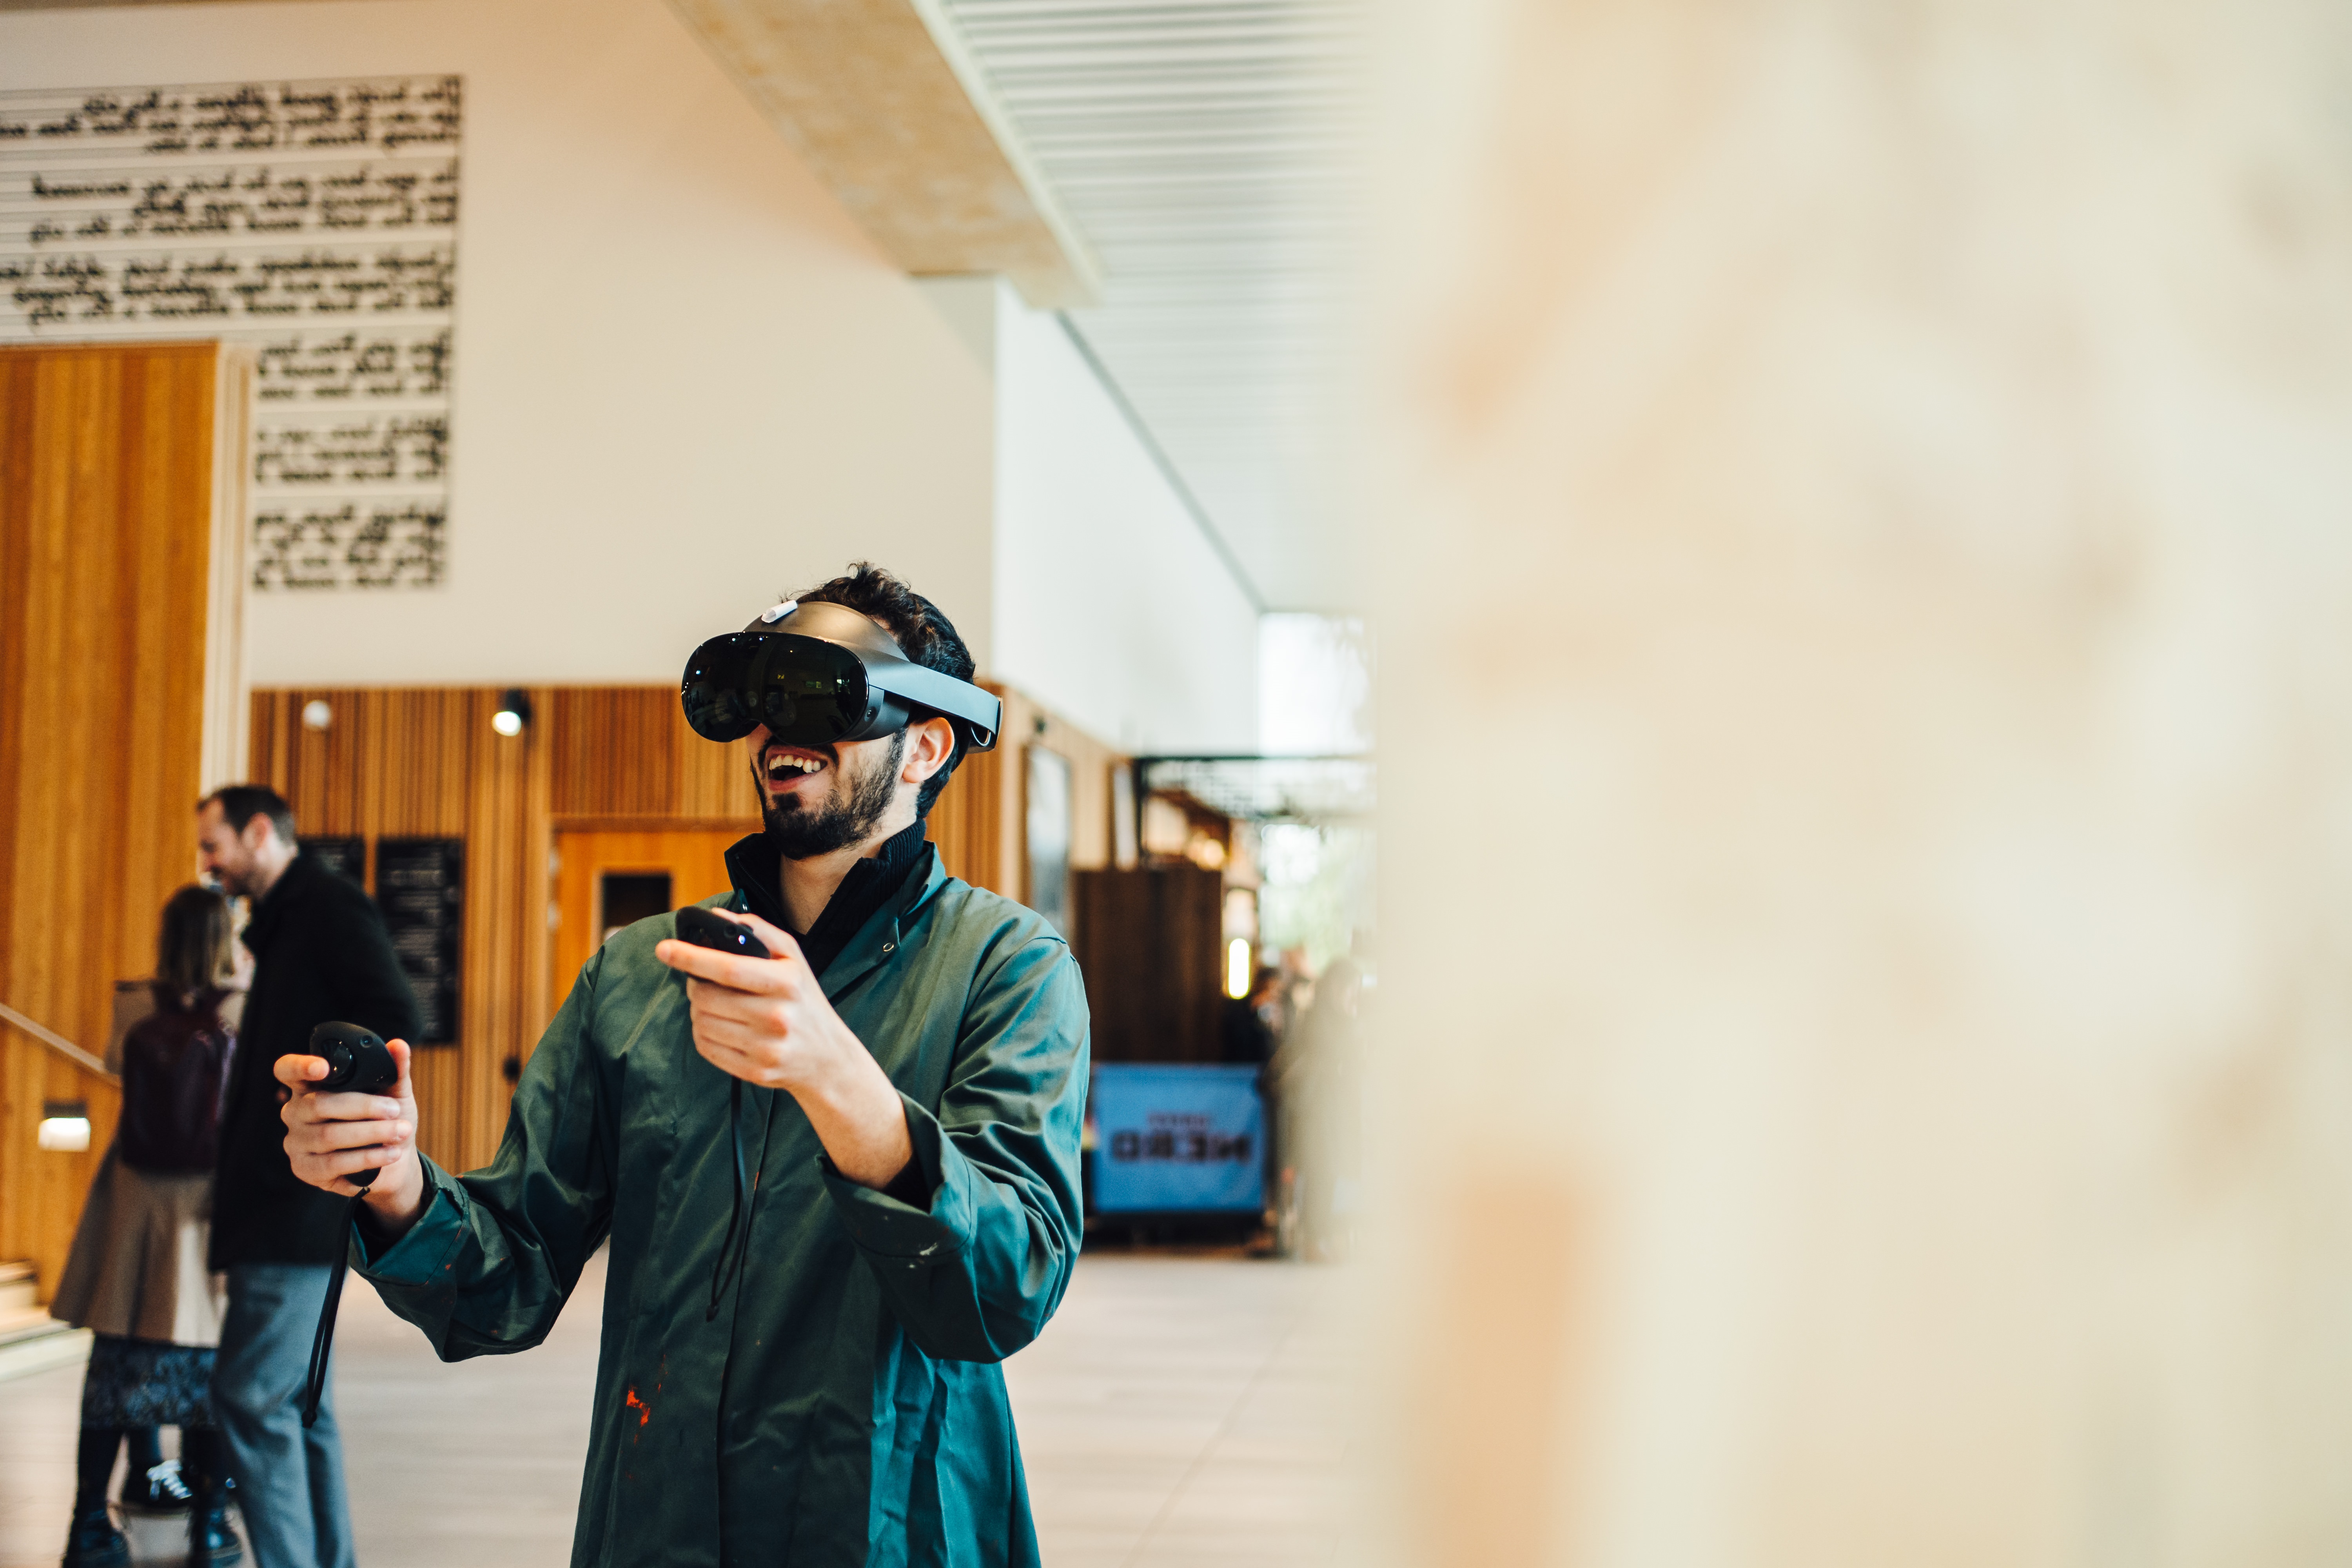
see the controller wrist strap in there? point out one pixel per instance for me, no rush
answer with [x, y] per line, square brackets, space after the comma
[314, 1383]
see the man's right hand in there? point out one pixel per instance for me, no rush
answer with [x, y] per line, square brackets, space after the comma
[329, 1136]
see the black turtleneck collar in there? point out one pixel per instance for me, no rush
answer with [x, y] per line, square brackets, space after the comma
[752, 863]
[269, 911]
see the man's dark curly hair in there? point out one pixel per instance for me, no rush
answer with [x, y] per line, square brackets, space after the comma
[922, 632]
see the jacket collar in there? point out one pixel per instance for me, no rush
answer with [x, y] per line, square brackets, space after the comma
[883, 939]
[871, 885]
[270, 910]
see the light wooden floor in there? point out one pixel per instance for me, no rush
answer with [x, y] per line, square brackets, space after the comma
[1177, 1413]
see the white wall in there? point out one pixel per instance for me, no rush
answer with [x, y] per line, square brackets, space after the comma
[1314, 685]
[684, 381]
[1111, 608]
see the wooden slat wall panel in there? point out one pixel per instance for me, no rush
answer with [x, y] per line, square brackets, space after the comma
[627, 751]
[1149, 946]
[424, 763]
[980, 822]
[964, 825]
[108, 491]
[507, 951]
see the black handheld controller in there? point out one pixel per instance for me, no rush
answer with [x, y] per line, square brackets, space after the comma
[700, 927]
[357, 1063]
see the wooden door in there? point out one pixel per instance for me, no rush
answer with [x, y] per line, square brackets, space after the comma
[1150, 944]
[122, 572]
[593, 866]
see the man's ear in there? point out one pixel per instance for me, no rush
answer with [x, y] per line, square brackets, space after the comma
[256, 832]
[930, 744]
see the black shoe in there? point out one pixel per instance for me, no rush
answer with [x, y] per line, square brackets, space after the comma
[162, 1492]
[94, 1543]
[211, 1543]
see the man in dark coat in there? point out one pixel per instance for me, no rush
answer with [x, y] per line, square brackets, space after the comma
[840, 1184]
[321, 952]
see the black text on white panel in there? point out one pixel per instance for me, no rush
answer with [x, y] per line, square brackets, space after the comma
[315, 220]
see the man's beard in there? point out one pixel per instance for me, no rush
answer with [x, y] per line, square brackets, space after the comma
[798, 834]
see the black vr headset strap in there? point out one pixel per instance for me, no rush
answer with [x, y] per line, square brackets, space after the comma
[978, 707]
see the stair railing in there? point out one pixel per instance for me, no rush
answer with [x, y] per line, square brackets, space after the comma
[56, 1042]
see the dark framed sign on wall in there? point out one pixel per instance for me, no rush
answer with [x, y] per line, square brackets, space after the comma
[420, 885]
[346, 858]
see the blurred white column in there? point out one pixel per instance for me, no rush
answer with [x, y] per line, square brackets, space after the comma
[1865, 1019]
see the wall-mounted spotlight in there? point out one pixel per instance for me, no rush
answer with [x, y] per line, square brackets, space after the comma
[65, 1126]
[513, 715]
[316, 714]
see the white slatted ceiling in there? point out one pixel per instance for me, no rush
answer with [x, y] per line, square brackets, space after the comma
[1203, 148]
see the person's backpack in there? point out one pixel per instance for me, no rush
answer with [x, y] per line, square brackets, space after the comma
[174, 1078]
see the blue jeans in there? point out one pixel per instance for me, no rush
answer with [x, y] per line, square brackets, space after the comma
[290, 1482]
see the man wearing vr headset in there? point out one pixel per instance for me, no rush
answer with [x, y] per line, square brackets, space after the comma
[840, 1182]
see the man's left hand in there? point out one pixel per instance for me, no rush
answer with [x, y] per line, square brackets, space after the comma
[768, 1022]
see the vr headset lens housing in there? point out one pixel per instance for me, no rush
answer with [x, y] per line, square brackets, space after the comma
[813, 691]
[806, 691]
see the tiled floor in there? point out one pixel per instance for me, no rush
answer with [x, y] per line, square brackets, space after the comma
[1177, 1413]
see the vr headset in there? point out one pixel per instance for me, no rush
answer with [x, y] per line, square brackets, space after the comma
[823, 674]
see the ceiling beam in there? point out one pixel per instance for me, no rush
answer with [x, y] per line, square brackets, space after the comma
[887, 106]
[890, 110]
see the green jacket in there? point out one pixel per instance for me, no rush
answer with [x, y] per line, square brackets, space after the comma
[845, 1406]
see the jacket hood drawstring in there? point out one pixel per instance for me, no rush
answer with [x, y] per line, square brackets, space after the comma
[733, 1246]
[870, 884]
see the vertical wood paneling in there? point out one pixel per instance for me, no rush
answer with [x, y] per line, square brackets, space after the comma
[108, 487]
[963, 821]
[1149, 946]
[505, 954]
[980, 821]
[626, 750]
[424, 763]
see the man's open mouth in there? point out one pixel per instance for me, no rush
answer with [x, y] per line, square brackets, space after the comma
[782, 767]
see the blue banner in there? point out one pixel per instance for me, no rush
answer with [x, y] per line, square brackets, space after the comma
[1173, 1139]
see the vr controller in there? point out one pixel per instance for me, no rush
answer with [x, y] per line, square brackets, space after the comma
[358, 1062]
[703, 928]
